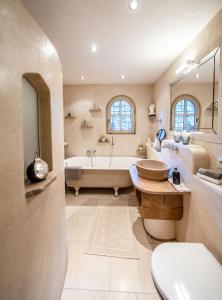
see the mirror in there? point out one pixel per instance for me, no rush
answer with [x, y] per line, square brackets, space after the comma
[161, 135]
[194, 96]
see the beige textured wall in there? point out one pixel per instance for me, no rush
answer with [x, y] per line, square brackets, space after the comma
[199, 223]
[79, 99]
[33, 247]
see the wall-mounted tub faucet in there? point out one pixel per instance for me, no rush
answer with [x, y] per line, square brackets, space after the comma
[90, 152]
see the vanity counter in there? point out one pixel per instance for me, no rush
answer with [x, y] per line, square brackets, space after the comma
[149, 186]
[157, 200]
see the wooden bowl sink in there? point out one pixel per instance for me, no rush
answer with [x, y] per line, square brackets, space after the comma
[151, 169]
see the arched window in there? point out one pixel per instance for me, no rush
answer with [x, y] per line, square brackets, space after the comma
[121, 113]
[185, 113]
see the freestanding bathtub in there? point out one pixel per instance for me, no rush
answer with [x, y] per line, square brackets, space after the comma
[101, 172]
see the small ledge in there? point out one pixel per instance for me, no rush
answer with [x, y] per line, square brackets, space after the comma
[33, 189]
[106, 142]
[86, 127]
[217, 188]
[70, 117]
[95, 109]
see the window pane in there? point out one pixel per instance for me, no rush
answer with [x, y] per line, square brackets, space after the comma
[115, 122]
[190, 107]
[115, 108]
[121, 116]
[180, 107]
[185, 115]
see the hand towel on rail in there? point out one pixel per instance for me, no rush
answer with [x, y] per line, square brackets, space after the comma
[210, 173]
[73, 173]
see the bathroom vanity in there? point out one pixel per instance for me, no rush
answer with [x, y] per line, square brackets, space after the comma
[160, 205]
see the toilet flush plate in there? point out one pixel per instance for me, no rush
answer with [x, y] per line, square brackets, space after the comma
[186, 271]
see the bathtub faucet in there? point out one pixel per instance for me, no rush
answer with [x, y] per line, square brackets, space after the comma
[91, 152]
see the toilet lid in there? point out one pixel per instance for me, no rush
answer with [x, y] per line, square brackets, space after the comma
[186, 271]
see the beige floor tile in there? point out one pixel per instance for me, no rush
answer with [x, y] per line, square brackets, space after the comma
[71, 199]
[139, 232]
[69, 294]
[148, 297]
[69, 210]
[86, 208]
[125, 275]
[79, 228]
[144, 251]
[86, 271]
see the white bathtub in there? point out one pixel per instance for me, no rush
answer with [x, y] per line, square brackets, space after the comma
[101, 172]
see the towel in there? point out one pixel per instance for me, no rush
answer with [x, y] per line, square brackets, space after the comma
[73, 173]
[210, 173]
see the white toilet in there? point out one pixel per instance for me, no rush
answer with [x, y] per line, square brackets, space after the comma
[186, 271]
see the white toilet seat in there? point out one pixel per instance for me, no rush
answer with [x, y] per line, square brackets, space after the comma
[186, 271]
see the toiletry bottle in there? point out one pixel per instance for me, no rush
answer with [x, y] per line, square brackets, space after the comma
[176, 176]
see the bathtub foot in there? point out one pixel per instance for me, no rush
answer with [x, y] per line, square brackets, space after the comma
[76, 191]
[116, 191]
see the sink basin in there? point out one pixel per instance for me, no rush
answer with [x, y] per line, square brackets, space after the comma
[151, 169]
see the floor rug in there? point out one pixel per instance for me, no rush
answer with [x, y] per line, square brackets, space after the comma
[112, 233]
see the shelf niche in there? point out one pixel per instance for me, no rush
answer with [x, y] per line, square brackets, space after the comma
[70, 117]
[95, 109]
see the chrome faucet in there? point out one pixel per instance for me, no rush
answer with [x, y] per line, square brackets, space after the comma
[112, 144]
[90, 152]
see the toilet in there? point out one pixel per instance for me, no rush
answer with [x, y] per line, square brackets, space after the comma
[186, 271]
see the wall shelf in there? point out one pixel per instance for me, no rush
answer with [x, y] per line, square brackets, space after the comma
[70, 117]
[105, 142]
[95, 109]
[86, 127]
[33, 189]
[141, 153]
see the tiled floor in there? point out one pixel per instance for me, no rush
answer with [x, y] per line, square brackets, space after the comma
[94, 277]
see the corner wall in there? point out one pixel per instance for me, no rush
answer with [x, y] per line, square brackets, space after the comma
[33, 249]
[78, 99]
[201, 221]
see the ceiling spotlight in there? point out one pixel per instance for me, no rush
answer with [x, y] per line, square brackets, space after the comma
[133, 4]
[197, 75]
[122, 77]
[82, 77]
[94, 48]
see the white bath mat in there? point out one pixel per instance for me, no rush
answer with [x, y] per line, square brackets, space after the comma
[112, 233]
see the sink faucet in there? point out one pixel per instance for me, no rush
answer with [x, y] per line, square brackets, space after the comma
[112, 141]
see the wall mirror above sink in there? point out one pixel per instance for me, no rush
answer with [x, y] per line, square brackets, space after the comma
[195, 96]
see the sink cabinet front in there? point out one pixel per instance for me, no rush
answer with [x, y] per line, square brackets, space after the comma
[160, 206]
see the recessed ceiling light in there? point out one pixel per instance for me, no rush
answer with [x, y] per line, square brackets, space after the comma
[133, 4]
[197, 75]
[122, 77]
[94, 48]
[82, 77]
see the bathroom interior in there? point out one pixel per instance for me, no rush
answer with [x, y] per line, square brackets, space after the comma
[111, 150]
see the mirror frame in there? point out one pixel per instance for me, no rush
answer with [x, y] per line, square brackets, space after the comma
[201, 62]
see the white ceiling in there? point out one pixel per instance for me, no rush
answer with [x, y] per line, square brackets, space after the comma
[139, 44]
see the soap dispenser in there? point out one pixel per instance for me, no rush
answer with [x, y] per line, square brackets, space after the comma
[176, 176]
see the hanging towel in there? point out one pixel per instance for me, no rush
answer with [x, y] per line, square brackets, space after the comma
[210, 173]
[73, 173]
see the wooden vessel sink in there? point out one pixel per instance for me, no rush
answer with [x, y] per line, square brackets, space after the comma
[151, 169]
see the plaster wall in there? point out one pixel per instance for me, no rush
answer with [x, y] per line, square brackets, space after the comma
[200, 222]
[33, 246]
[78, 99]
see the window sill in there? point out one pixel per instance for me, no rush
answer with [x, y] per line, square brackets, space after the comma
[33, 189]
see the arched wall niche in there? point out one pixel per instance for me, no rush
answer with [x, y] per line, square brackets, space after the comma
[44, 116]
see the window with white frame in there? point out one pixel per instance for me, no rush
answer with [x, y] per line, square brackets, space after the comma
[185, 113]
[121, 114]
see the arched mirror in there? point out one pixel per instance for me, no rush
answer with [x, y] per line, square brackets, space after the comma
[194, 96]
